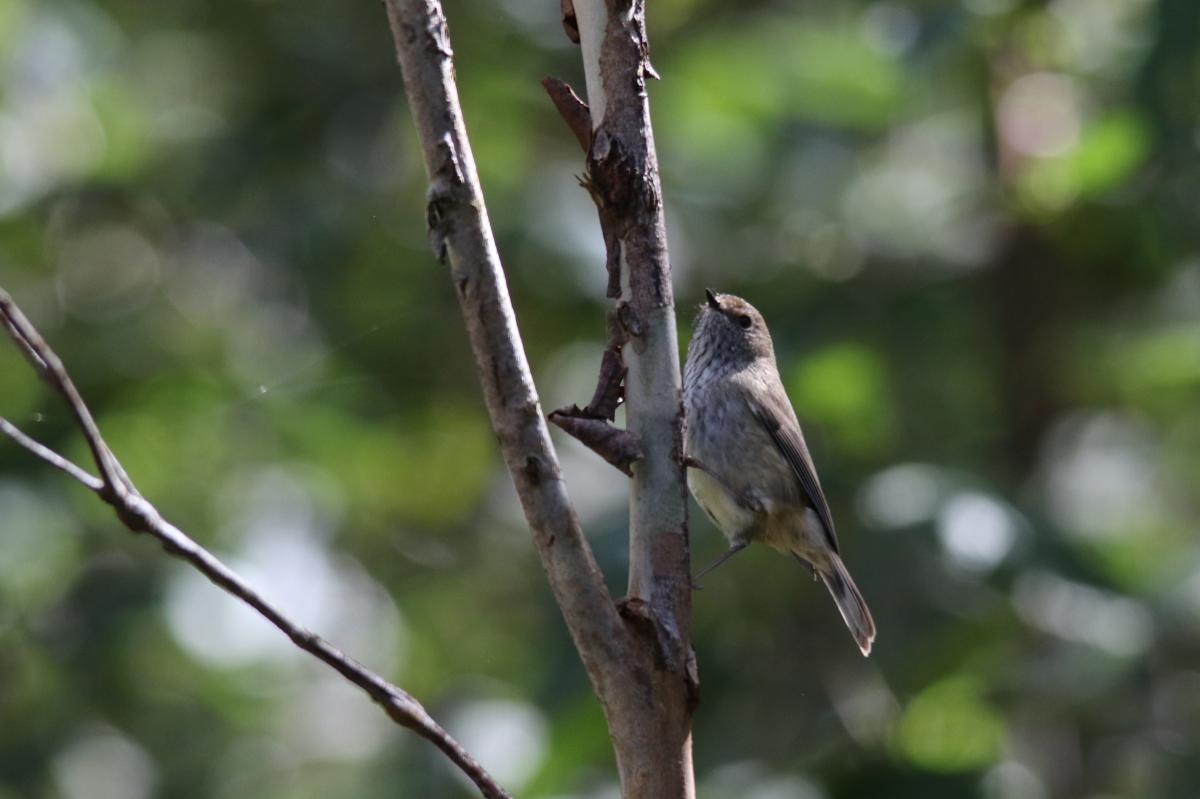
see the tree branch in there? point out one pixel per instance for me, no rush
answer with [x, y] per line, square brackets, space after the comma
[115, 488]
[654, 752]
[623, 171]
[573, 110]
[638, 657]
[591, 424]
[461, 237]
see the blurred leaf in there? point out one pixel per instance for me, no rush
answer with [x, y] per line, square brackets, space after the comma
[125, 130]
[949, 727]
[430, 468]
[1109, 150]
[10, 19]
[738, 86]
[845, 388]
[1107, 153]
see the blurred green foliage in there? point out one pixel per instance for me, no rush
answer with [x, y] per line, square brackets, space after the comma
[971, 225]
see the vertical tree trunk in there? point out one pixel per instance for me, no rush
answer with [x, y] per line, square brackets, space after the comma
[653, 745]
[637, 651]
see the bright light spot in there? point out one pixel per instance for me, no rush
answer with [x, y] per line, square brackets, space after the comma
[1100, 34]
[212, 276]
[1086, 615]
[277, 344]
[607, 791]
[216, 628]
[923, 198]
[752, 779]
[40, 546]
[561, 220]
[46, 142]
[784, 788]
[284, 556]
[1039, 115]
[597, 489]
[1099, 477]
[1189, 593]
[103, 764]
[187, 81]
[48, 56]
[49, 131]
[864, 703]
[817, 241]
[903, 495]
[976, 530]
[329, 719]
[610, 791]
[1012, 780]
[106, 273]
[891, 28]
[541, 22]
[987, 8]
[508, 738]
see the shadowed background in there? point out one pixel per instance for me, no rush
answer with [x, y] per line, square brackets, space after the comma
[970, 225]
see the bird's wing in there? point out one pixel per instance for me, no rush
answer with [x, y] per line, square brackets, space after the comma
[779, 422]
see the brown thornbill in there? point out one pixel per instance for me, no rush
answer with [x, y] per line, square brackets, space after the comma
[749, 466]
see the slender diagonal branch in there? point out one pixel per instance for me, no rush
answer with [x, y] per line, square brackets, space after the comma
[461, 237]
[115, 488]
[51, 457]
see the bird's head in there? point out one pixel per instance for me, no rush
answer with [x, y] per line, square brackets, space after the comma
[732, 328]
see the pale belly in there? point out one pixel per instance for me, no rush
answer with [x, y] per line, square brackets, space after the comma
[790, 528]
[722, 507]
[755, 498]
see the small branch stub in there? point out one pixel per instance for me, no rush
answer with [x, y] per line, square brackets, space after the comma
[591, 424]
[574, 111]
[569, 23]
[618, 447]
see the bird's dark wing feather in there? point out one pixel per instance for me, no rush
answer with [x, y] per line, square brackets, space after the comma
[779, 423]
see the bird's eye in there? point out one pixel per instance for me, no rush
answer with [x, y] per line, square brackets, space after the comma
[745, 321]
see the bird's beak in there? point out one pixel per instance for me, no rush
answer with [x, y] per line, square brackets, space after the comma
[712, 299]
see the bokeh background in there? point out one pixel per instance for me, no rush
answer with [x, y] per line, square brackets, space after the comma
[971, 225]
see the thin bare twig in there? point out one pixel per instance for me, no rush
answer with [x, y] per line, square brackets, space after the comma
[50, 456]
[50, 369]
[115, 488]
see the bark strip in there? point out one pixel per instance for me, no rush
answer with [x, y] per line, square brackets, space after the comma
[654, 751]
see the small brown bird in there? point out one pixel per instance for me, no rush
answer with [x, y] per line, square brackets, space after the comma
[749, 466]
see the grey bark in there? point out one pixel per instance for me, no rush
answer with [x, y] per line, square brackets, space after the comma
[636, 652]
[654, 752]
[461, 236]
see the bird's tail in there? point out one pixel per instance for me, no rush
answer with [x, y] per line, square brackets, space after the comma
[850, 602]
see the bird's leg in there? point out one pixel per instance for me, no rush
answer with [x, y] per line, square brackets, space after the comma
[808, 563]
[737, 546]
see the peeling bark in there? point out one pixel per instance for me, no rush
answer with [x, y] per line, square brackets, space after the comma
[653, 747]
[636, 653]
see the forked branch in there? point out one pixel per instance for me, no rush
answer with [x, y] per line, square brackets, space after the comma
[137, 514]
[654, 748]
[461, 236]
